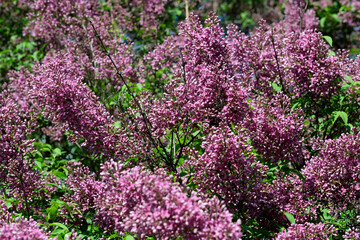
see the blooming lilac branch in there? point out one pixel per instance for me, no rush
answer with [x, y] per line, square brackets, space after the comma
[156, 142]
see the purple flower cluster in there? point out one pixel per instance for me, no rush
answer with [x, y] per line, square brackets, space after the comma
[330, 180]
[19, 228]
[335, 172]
[275, 131]
[22, 229]
[298, 18]
[352, 17]
[204, 89]
[228, 169]
[56, 90]
[136, 201]
[306, 231]
[20, 180]
[352, 234]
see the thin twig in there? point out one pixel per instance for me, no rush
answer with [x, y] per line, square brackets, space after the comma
[277, 61]
[146, 121]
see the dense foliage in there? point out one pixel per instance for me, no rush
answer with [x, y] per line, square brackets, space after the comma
[161, 119]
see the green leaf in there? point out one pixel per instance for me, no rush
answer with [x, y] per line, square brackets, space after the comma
[56, 152]
[349, 126]
[331, 53]
[342, 114]
[181, 161]
[45, 149]
[329, 40]
[296, 105]
[326, 214]
[139, 86]
[53, 210]
[276, 87]
[60, 225]
[129, 237]
[290, 217]
[113, 236]
[349, 79]
[66, 171]
[59, 174]
[322, 22]
[58, 231]
[195, 133]
[344, 87]
[38, 164]
[117, 124]
[335, 17]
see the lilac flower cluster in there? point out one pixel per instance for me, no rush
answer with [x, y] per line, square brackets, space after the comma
[14, 128]
[298, 62]
[85, 189]
[298, 18]
[228, 169]
[204, 89]
[136, 201]
[352, 234]
[334, 173]
[20, 180]
[352, 17]
[276, 132]
[19, 228]
[23, 229]
[56, 90]
[67, 26]
[306, 231]
[330, 180]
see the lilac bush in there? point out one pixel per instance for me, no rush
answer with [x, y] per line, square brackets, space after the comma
[139, 123]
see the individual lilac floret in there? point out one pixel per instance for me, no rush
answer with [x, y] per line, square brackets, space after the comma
[145, 204]
[307, 231]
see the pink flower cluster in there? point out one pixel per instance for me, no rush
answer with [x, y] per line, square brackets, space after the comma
[136, 201]
[330, 180]
[23, 229]
[56, 90]
[306, 231]
[19, 228]
[335, 172]
[20, 180]
[228, 170]
[352, 234]
[276, 132]
[204, 89]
